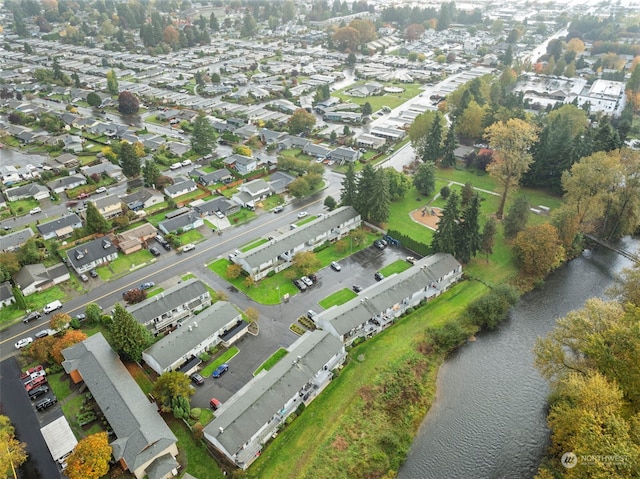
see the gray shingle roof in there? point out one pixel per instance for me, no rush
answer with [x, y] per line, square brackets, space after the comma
[192, 332]
[181, 221]
[178, 187]
[15, 239]
[268, 251]
[391, 290]
[169, 299]
[89, 252]
[25, 191]
[250, 409]
[67, 220]
[141, 433]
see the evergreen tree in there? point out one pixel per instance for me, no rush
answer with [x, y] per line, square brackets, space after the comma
[445, 238]
[379, 198]
[467, 194]
[433, 145]
[517, 217]
[95, 222]
[21, 303]
[365, 186]
[470, 240]
[606, 138]
[203, 136]
[128, 337]
[213, 23]
[424, 178]
[150, 173]
[450, 144]
[129, 161]
[349, 190]
[367, 109]
[488, 237]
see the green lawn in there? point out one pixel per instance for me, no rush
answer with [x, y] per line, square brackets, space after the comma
[22, 207]
[60, 384]
[269, 290]
[187, 276]
[123, 264]
[157, 218]
[154, 291]
[272, 360]
[223, 358]
[71, 408]
[395, 267]
[254, 244]
[141, 378]
[392, 100]
[190, 196]
[157, 207]
[35, 301]
[193, 456]
[329, 439]
[337, 298]
[242, 216]
[191, 236]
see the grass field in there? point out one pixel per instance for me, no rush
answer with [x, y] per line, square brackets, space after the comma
[254, 244]
[191, 236]
[337, 298]
[272, 360]
[123, 264]
[395, 267]
[35, 302]
[223, 358]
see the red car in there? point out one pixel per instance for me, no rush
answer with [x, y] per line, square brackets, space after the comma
[82, 196]
[215, 404]
[27, 374]
[34, 383]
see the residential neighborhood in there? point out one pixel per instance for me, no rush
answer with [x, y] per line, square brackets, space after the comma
[212, 213]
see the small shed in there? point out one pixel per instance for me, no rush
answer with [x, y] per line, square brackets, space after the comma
[59, 438]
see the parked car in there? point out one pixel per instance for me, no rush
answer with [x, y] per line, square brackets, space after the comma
[380, 244]
[34, 383]
[93, 273]
[52, 306]
[356, 288]
[154, 251]
[335, 266]
[219, 214]
[185, 162]
[44, 333]
[311, 314]
[197, 379]
[175, 166]
[46, 403]
[37, 392]
[215, 404]
[35, 210]
[84, 277]
[307, 281]
[300, 284]
[147, 285]
[81, 317]
[188, 247]
[24, 342]
[411, 260]
[102, 189]
[31, 316]
[166, 246]
[313, 277]
[82, 196]
[378, 276]
[278, 209]
[302, 214]
[220, 370]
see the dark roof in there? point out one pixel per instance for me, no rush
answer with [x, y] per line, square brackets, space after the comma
[89, 252]
[181, 221]
[218, 203]
[5, 291]
[141, 433]
[13, 240]
[37, 274]
[67, 220]
[178, 187]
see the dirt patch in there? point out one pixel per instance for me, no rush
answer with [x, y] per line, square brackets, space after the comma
[427, 216]
[340, 444]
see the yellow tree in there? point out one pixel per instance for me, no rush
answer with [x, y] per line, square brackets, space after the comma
[70, 338]
[90, 458]
[12, 452]
[306, 262]
[252, 314]
[59, 321]
[538, 250]
[512, 142]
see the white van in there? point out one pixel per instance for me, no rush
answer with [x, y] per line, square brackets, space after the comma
[52, 306]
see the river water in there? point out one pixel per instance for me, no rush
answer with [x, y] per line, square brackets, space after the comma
[489, 418]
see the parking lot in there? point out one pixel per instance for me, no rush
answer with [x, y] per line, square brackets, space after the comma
[274, 321]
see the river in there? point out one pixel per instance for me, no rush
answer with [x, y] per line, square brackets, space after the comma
[489, 417]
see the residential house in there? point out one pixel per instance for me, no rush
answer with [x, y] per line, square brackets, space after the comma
[171, 307]
[379, 305]
[143, 444]
[343, 155]
[105, 168]
[12, 241]
[177, 149]
[372, 142]
[9, 174]
[252, 192]
[250, 417]
[60, 228]
[317, 151]
[208, 179]
[32, 190]
[136, 238]
[222, 204]
[184, 222]
[66, 183]
[388, 133]
[67, 160]
[242, 164]
[279, 182]
[278, 253]
[92, 254]
[6, 294]
[343, 116]
[143, 198]
[33, 278]
[109, 206]
[194, 336]
[180, 188]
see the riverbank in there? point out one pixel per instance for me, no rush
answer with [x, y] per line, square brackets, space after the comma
[364, 423]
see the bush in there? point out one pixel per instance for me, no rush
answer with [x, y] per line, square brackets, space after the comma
[448, 337]
[195, 413]
[492, 308]
[271, 273]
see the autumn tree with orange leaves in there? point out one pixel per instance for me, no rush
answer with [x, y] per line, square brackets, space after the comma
[70, 338]
[90, 458]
